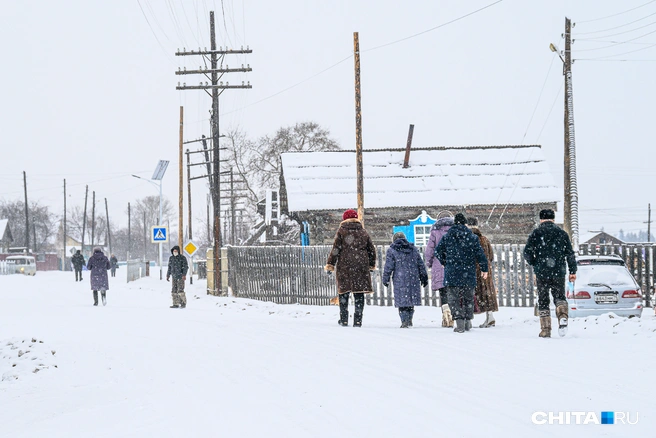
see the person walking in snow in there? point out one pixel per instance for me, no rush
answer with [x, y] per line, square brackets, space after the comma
[113, 261]
[485, 294]
[178, 268]
[352, 257]
[78, 262]
[438, 230]
[98, 266]
[404, 265]
[547, 249]
[459, 251]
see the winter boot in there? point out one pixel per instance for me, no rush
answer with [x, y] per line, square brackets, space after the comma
[489, 320]
[411, 314]
[95, 297]
[545, 326]
[343, 310]
[562, 317]
[104, 297]
[460, 326]
[175, 306]
[447, 320]
[468, 325]
[357, 319]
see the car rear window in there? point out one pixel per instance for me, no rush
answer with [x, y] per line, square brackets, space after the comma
[616, 262]
[603, 274]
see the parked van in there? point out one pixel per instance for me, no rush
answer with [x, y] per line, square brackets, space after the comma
[22, 264]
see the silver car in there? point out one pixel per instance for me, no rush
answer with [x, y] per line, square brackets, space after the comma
[603, 285]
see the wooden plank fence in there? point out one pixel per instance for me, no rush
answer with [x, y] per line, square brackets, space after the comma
[294, 274]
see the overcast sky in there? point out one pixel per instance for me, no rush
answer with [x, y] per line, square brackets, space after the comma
[89, 87]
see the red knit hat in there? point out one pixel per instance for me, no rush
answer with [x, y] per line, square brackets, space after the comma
[350, 214]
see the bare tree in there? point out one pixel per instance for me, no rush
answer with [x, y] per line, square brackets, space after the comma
[44, 222]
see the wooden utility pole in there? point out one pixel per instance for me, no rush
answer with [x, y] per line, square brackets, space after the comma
[27, 221]
[408, 145]
[64, 229]
[145, 234]
[34, 236]
[189, 194]
[93, 220]
[109, 233]
[127, 256]
[649, 257]
[215, 86]
[209, 230]
[181, 184]
[358, 129]
[233, 207]
[571, 209]
[648, 222]
[84, 219]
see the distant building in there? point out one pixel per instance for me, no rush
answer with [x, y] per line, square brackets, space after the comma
[505, 187]
[6, 238]
[599, 238]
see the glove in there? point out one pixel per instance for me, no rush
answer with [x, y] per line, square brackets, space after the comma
[329, 272]
[184, 278]
[424, 284]
[168, 278]
[386, 284]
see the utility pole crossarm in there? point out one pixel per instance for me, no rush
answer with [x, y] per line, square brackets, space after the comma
[214, 52]
[211, 87]
[209, 70]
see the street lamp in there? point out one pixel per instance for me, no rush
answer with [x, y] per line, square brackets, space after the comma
[158, 176]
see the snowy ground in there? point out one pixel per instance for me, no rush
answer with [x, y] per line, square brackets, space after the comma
[240, 368]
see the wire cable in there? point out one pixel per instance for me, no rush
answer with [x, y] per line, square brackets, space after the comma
[539, 97]
[617, 54]
[617, 44]
[434, 28]
[621, 33]
[619, 13]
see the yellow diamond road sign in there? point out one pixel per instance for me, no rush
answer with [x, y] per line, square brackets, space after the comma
[190, 248]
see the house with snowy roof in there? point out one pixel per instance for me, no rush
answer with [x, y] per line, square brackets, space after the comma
[6, 238]
[505, 187]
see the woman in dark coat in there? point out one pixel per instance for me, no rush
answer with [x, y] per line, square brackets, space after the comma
[404, 265]
[98, 265]
[438, 230]
[485, 292]
[352, 257]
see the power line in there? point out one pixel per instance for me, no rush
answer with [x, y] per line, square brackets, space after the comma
[436, 27]
[539, 97]
[621, 25]
[620, 33]
[366, 50]
[618, 43]
[168, 56]
[548, 115]
[617, 54]
[619, 13]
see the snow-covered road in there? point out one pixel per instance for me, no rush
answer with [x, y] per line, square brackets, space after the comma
[241, 368]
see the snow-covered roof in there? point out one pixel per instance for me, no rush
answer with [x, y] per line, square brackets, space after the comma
[3, 227]
[481, 175]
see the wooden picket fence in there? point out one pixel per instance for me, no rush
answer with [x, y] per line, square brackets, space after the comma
[294, 274]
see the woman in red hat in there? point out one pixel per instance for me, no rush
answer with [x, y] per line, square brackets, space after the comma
[352, 257]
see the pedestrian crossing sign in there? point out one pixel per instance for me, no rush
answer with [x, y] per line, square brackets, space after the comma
[159, 234]
[190, 248]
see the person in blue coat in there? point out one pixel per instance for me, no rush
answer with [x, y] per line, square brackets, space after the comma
[404, 265]
[458, 251]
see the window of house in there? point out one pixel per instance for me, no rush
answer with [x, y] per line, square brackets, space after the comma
[422, 233]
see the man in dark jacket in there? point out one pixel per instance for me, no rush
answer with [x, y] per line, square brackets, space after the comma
[547, 249]
[458, 251]
[113, 261]
[178, 270]
[78, 262]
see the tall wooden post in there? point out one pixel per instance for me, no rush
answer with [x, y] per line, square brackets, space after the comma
[93, 219]
[189, 227]
[109, 234]
[358, 129]
[127, 256]
[64, 229]
[181, 185]
[27, 221]
[84, 219]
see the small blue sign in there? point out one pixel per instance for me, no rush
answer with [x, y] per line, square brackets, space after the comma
[159, 235]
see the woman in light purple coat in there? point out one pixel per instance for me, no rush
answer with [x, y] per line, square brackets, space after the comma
[438, 230]
[99, 265]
